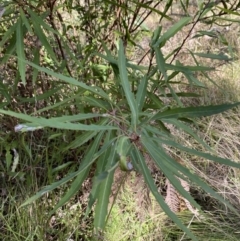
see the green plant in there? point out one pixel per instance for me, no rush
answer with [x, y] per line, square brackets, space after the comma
[115, 108]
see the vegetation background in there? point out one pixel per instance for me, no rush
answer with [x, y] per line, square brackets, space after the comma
[112, 120]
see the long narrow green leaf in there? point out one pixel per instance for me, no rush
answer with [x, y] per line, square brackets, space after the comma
[4, 91]
[77, 117]
[155, 36]
[168, 5]
[20, 51]
[104, 192]
[192, 80]
[194, 178]
[123, 147]
[141, 92]
[89, 159]
[160, 131]
[185, 68]
[40, 20]
[125, 84]
[96, 102]
[183, 94]
[43, 96]
[146, 5]
[8, 34]
[70, 80]
[62, 166]
[185, 7]
[112, 60]
[49, 188]
[80, 140]
[169, 171]
[41, 36]
[172, 31]
[75, 187]
[220, 56]
[193, 112]
[84, 137]
[149, 180]
[60, 103]
[25, 20]
[101, 164]
[54, 124]
[188, 130]
[220, 160]
[161, 62]
[43, 39]
[10, 51]
[156, 102]
[36, 61]
[174, 95]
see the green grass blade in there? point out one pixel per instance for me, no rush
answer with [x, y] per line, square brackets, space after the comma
[193, 112]
[149, 180]
[126, 85]
[20, 51]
